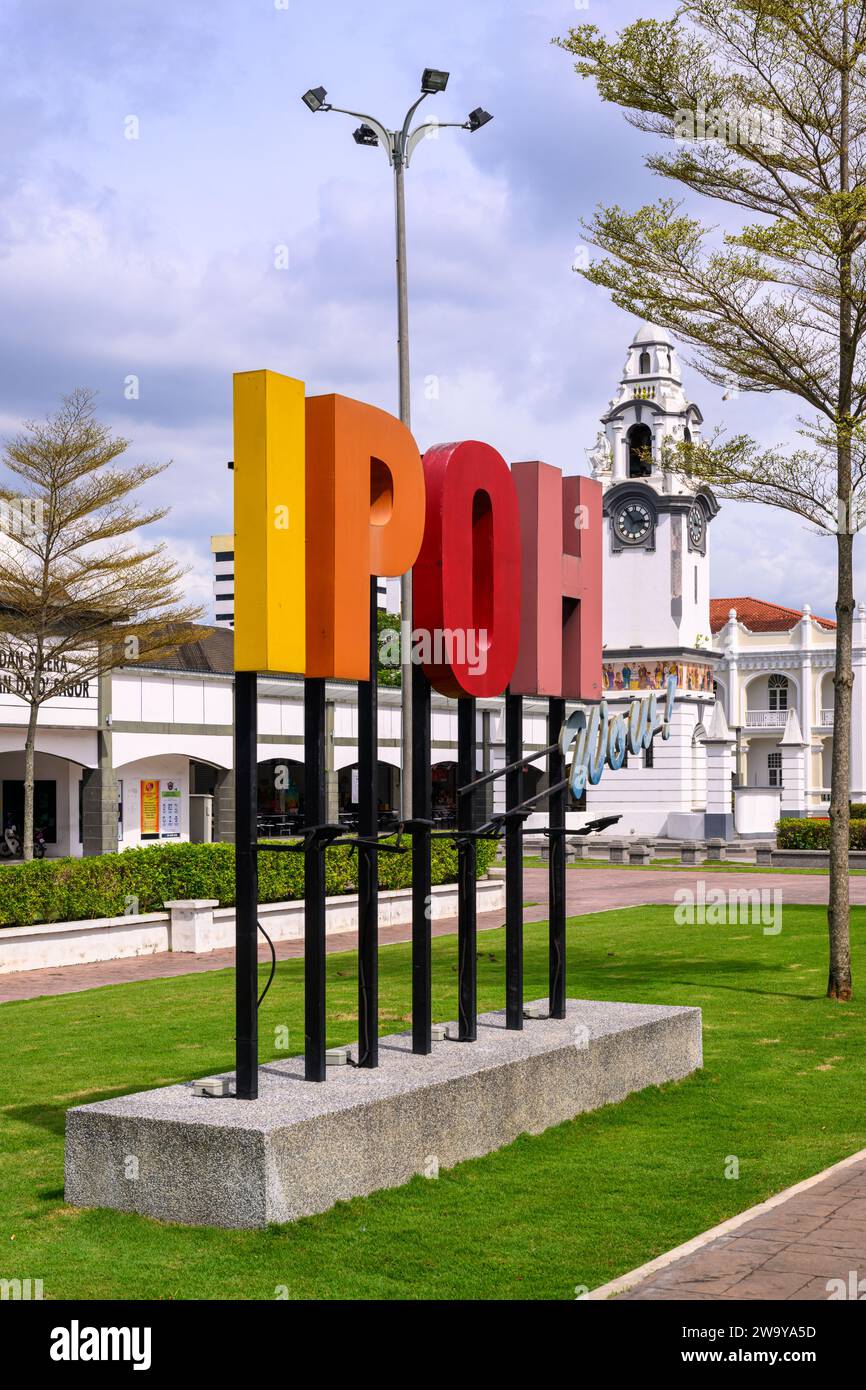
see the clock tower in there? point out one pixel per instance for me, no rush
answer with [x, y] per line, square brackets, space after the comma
[656, 617]
[656, 551]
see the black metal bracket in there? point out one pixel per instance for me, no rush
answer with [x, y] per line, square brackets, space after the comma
[330, 836]
[519, 765]
[311, 837]
[375, 842]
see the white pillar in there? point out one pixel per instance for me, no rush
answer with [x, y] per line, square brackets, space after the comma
[795, 751]
[719, 743]
[618, 450]
[729, 641]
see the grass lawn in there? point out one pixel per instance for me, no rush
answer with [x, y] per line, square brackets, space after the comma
[782, 1090]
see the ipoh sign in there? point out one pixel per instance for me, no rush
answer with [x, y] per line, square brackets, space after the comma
[330, 491]
[506, 562]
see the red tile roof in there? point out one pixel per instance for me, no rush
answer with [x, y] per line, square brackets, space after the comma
[758, 615]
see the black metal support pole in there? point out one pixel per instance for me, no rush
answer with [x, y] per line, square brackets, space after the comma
[422, 811]
[513, 865]
[246, 890]
[315, 799]
[467, 1018]
[556, 848]
[368, 857]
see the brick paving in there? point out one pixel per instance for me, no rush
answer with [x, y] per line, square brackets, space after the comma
[790, 1252]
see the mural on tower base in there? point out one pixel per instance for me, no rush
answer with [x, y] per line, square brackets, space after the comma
[653, 675]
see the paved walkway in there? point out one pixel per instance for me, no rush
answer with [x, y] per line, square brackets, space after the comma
[790, 1248]
[587, 890]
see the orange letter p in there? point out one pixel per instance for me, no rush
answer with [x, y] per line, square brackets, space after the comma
[365, 516]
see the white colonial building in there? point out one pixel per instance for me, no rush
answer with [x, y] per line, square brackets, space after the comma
[775, 683]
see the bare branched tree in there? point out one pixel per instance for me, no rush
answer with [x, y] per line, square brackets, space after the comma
[78, 595]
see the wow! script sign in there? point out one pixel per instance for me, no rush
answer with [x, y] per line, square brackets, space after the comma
[330, 491]
[597, 739]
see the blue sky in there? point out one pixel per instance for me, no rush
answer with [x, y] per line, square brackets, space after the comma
[156, 257]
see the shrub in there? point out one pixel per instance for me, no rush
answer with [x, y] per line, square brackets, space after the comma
[142, 880]
[793, 833]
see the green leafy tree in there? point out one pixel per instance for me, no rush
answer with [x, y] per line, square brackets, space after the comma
[760, 105]
[389, 668]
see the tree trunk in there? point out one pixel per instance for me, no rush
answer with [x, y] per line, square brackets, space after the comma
[839, 984]
[29, 759]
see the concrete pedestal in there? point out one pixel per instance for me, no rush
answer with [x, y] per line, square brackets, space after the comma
[301, 1146]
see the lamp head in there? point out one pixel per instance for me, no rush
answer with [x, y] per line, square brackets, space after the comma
[365, 135]
[478, 118]
[314, 98]
[434, 80]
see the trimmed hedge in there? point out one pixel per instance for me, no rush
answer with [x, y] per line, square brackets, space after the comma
[105, 885]
[808, 833]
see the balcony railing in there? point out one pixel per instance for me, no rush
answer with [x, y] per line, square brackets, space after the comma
[766, 718]
[776, 718]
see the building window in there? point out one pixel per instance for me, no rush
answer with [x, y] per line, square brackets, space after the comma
[778, 687]
[699, 769]
[774, 769]
[644, 364]
[648, 757]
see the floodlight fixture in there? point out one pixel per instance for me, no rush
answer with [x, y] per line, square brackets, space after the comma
[314, 98]
[434, 80]
[478, 118]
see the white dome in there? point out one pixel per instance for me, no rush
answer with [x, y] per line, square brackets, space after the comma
[649, 333]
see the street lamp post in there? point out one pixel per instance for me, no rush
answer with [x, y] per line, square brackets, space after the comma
[399, 146]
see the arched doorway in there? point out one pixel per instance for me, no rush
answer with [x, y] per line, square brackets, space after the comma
[281, 786]
[640, 442]
[443, 778]
[56, 802]
[387, 795]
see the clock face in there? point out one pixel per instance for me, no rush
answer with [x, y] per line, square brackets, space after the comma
[696, 525]
[633, 522]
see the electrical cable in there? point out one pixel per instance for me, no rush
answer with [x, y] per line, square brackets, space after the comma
[273, 964]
